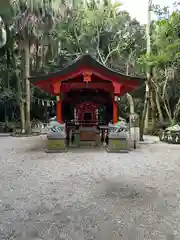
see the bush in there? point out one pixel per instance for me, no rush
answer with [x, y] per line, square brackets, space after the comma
[159, 126]
[9, 127]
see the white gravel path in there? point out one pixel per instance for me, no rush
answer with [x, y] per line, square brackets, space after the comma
[83, 195]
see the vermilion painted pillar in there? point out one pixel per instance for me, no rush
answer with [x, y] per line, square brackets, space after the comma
[115, 110]
[59, 110]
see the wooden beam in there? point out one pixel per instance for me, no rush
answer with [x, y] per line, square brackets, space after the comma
[56, 88]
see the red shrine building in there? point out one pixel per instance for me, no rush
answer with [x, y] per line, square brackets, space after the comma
[87, 91]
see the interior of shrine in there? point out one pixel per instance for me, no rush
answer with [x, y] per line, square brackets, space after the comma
[87, 107]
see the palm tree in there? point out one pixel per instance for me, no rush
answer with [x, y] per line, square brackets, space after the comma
[33, 19]
[144, 119]
[5, 10]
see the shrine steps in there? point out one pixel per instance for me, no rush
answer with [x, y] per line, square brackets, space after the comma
[84, 144]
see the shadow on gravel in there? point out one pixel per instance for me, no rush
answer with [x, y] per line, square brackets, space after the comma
[121, 191]
[51, 219]
[38, 146]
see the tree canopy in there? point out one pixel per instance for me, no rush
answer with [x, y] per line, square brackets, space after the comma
[41, 35]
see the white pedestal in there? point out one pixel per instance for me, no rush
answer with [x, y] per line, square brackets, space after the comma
[134, 137]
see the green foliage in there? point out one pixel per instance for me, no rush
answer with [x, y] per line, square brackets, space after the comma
[60, 31]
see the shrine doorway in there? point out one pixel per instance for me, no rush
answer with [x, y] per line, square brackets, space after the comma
[87, 107]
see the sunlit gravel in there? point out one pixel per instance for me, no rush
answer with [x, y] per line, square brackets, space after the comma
[88, 194]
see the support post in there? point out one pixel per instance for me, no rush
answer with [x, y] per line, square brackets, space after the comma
[115, 110]
[59, 110]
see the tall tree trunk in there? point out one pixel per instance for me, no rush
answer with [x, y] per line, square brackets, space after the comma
[144, 117]
[176, 111]
[146, 107]
[20, 79]
[39, 57]
[21, 91]
[153, 109]
[6, 104]
[21, 104]
[28, 99]
[129, 97]
[22, 116]
[146, 121]
[46, 112]
[168, 111]
[161, 119]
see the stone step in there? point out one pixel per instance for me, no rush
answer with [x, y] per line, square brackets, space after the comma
[87, 143]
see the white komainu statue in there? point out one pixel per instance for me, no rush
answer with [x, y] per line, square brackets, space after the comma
[55, 126]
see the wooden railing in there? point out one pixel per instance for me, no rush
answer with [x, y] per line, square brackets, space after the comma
[85, 123]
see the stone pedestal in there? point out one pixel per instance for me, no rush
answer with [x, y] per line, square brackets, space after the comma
[134, 130]
[118, 142]
[76, 138]
[56, 142]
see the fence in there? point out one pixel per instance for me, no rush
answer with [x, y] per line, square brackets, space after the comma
[39, 127]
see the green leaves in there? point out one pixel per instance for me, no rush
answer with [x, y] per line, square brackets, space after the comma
[103, 30]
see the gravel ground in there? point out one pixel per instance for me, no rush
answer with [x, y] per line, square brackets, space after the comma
[88, 194]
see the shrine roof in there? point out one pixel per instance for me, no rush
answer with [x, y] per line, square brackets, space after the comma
[89, 63]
